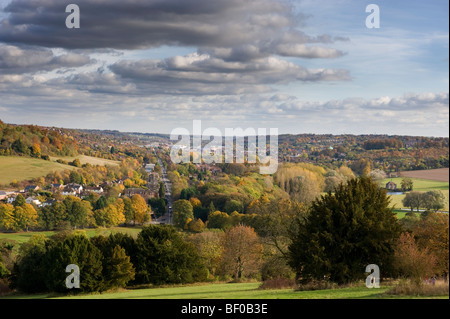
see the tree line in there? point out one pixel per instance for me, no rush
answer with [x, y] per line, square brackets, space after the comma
[73, 212]
[159, 255]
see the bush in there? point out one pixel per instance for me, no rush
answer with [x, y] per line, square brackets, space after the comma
[279, 283]
[409, 288]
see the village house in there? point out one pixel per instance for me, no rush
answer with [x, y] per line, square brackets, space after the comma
[391, 186]
[33, 200]
[93, 189]
[3, 195]
[31, 188]
[57, 187]
[72, 190]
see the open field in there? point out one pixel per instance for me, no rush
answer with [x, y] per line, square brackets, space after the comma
[22, 237]
[440, 174]
[24, 168]
[232, 291]
[396, 201]
[87, 160]
[420, 185]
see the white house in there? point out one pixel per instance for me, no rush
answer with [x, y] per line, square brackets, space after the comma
[32, 200]
[72, 189]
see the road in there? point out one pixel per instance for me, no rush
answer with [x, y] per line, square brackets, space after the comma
[167, 217]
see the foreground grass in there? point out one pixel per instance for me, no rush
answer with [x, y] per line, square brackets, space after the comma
[232, 291]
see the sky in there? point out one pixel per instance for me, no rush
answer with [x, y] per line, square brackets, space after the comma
[300, 66]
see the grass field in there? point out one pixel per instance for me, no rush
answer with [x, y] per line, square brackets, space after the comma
[87, 160]
[22, 237]
[24, 168]
[232, 291]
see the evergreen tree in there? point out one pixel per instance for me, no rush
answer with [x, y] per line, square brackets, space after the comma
[165, 257]
[78, 250]
[343, 233]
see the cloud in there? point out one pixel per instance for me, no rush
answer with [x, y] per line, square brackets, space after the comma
[243, 29]
[203, 74]
[17, 60]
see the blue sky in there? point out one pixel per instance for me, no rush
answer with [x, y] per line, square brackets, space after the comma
[300, 66]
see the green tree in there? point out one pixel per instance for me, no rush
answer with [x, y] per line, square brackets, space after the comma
[219, 220]
[407, 184]
[233, 205]
[434, 200]
[413, 200]
[182, 212]
[78, 250]
[165, 257]
[162, 190]
[343, 233]
[29, 270]
[80, 214]
[19, 201]
[76, 177]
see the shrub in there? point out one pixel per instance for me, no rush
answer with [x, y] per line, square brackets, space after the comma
[279, 283]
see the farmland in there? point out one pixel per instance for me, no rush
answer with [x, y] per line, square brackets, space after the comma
[23, 168]
[440, 174]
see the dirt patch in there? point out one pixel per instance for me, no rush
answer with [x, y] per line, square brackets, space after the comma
[440, 174]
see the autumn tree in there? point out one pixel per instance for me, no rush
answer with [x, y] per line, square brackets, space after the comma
[413, 262]
[432, 233]
[140, 209]
[25, 217]
[7, 221]
[209, 246]
[242, 252]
